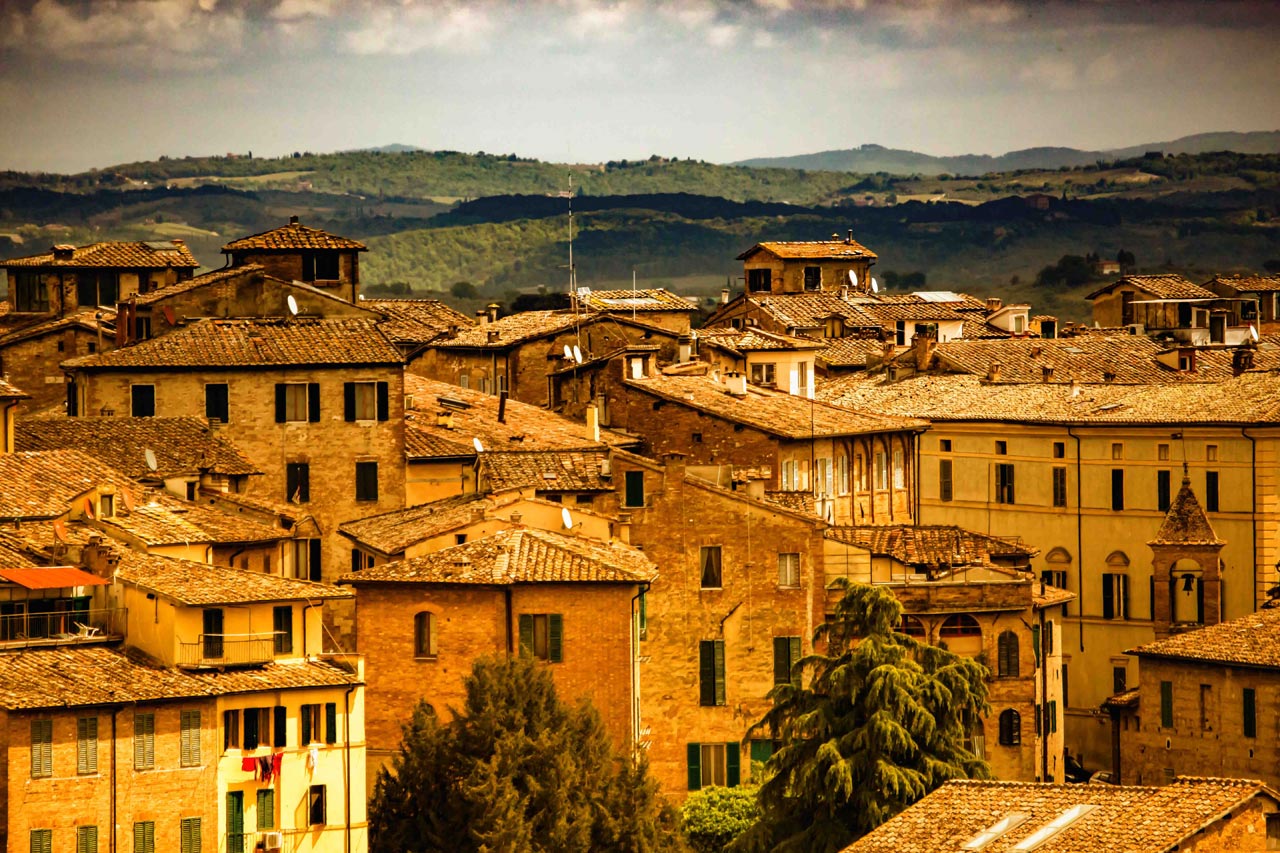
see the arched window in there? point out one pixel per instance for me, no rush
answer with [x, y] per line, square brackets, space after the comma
[1007, 654]
[962, 634]
[912, 627]
[1010, 728]
[424, 635]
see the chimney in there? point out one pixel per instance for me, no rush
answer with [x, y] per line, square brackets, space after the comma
[482, 317]
[925, 345]
[1046, 373]
[478, 513]
[993, 304]
[293, 220]
[63, 252]
[593, 422]
[849, 239]
[724, 296]
[492, 308]
[444, 419]
[516, 517]
[97, 558]
[624, 527]
[684, 349]
[1241, 360]
[178, 241]
[736, 383]
[993, 373]
[453, 330]
[492, 336]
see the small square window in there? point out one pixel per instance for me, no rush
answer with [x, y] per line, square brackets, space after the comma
[1162, 452]
[944, 445]
[709, 560]
[1211, 452]
[789, 569]
[1117, 450]
[697, 438]
[1002, 448]
[1059, 450]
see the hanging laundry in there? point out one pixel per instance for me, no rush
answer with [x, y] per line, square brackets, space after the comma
[276, 761]
[264, 768]
[249, 764]
[313, 758]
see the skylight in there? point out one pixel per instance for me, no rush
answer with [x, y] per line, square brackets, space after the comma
[997, 829]
[1052, 828]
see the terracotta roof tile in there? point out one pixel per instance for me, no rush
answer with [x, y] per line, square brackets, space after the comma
[42, 484]
[125, 255]
[76, 676]
[518, 556]
[931, 546]
[1248, 283]
[1252, 640]
[773, 412]
[545, 470]
[796, 501]
[292, 237]
[1185, 523]
[86, 320]
[253, 343]
[422, 441]
[15, 552]
[810, 310]
[654, 299]
[849, 352]
[1159, 286]
[817, 250]
[202, 584]
[513, 329]
[752, 339]
[172, 522]
[1123, 818]
[392, 532]
[416, 321]
[181, 445]
[208, 279]
[10, 391]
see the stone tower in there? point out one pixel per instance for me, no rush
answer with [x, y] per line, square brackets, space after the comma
[1186, 566]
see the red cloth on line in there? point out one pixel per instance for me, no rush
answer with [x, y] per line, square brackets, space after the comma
[264, 768]
[276, 760]
[249, 764]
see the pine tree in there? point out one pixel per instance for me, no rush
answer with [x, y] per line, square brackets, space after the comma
[516, 770]
[867, 729]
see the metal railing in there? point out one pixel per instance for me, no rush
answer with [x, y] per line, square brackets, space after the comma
[18, 630]
[212, 650]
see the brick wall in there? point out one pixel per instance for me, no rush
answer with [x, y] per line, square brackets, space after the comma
[34, 364]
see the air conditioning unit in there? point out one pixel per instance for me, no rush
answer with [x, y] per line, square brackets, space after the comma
[273, 841]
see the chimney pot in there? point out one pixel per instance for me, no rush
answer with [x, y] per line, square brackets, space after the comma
[993, 374]
[493, 308]
[849, 239]
[293, 220]
[593, 422]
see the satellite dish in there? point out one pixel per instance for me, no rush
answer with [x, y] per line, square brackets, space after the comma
[293, 305]
[150, 455]
[875, 286]
[568, 353]
[1253, 332]
[566, 518]
[475, 442]
[853, 278]
[577, 354]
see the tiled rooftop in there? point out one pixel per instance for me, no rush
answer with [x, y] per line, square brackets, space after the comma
[392, 532]
[740, 341]
[654, 299]
[849, 352]
[1124, 818]
[76, 676]
[773, 412]
[9, 391]
[545, 470]
[817, 250]
[810, 310]
[416, 321]
[1249, 398]
[292, 237]
[182, 446]
[1159, 286]
[167, 521]
[422, 440]
[252, 344]
[86, 320]
[1249, 283]
[931, 546]
[201, 584]
[518, 556]
[1185, 523]
[1252, 640]
[514, 329]
[42, 484]
[131, 255]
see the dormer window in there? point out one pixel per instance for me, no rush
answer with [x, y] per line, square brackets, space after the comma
[637, 367]
[760, 280]
[106, 506]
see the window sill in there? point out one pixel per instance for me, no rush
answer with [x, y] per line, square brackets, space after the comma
[789, 586]
[427, 658]
[711, 589]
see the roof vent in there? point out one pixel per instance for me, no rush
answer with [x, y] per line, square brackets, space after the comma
[493, 336]
[63, 252]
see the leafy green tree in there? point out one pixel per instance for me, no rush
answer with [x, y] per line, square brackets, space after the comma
[867, 729]
[516, 770]
[463, 290]
[714, 816]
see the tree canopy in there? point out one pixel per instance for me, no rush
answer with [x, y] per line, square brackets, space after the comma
[516, 770]
[866, 729]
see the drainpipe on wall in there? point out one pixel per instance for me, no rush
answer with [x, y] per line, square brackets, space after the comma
[1253, 522]
[114, 712]
[511, 645]
[635, 667]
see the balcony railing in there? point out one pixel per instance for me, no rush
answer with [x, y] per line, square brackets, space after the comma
[19, 630]
[217, 650]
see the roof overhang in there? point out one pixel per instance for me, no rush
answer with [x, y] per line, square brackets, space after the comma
[54, 577]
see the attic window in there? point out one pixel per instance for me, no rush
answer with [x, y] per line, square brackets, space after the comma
[1052, 828]
[996, 830]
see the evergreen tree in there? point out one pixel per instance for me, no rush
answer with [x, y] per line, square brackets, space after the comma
[867, 729]
[516, 770]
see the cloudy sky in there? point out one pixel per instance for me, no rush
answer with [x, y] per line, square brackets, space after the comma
[87, 83]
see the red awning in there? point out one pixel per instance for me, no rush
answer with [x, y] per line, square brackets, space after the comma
[54, 577]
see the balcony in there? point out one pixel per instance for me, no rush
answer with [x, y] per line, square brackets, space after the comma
[213, 651]
[63, 627]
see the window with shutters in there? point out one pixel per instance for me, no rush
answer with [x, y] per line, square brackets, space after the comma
[1119, 679]
[709, 562]
[1007, 665]
[41, 748]
[714, 764]
[1166, 704]
[297, 402]
[1163, 485]
[1250, 712]
[786, 652]
[86, 839]
[424, 635]
[1010, 727]
[42, 841]
[361, 401]
[789, 569]
[711, 683]
[634, 495]
[87, 745]
[759, 280]
[266, 811]
[190, 835]
[142, 401]
[1059, 486]
[944, 480]
[1117, 489]
[1211, 491]
[282, 626]
[144, 741]
[190, 738]
[257, 727]
[310, 724]
[217, 405]
[366, 481]
[542, 635]
[764, 373]
[316, 805]
[813, 278]
[1115, 595]
[297, 482]
[1004, 483]
[144, 836]
[306, 559]
[231, 729]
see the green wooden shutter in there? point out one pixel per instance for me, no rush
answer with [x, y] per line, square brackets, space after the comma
[280, 735]
[1124, 597]
[719, 651]
[331, 722]
[794, 675]
[190, 738]
[695, 766]
[313, 402]
[348, 401]
[526, 633]
[41, 841]
[1035, 642]
[281, 404]
[761, 751]
[266, 809]
[41, 748]
[305, 716]
[732, 764]
[144, 745]
[86, 839]
[144, 837]
[191, 835]
[87, 745]
[384, 401]
[781, 662]
[313, 560]
[1108, 596]
[1166, 704]
[235, 822]
[555, 638]
[706, 672]
[251, 728]
[1250, 713]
